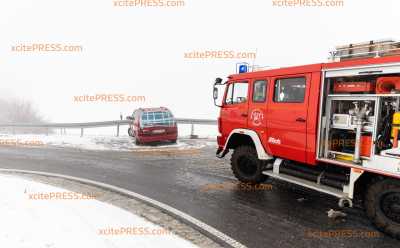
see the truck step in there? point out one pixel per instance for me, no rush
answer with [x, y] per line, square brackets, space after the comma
[313, 173]
[307, 184]
[321, 177]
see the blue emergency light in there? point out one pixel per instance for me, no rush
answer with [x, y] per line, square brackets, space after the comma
[242, 67]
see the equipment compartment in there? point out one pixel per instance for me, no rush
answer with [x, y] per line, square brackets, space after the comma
[360, 118]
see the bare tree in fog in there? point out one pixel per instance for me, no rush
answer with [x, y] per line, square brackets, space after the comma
[19, 111]
[24, 112]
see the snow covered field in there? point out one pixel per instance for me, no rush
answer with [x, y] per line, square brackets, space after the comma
[70, 223]
[105, 139]
[96, 142]
[203, 131]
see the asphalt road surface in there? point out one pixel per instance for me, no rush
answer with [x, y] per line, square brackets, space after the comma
[276, 215]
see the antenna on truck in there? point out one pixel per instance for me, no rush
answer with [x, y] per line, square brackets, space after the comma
[254, 60]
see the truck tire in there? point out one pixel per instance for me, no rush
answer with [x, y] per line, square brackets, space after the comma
[382, 204]
[246, 166]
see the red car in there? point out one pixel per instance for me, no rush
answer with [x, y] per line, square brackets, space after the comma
[153, 125]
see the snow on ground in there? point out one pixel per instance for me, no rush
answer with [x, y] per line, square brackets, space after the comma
[70, 223]
[105, 139]
[184, 130]
[95, 142]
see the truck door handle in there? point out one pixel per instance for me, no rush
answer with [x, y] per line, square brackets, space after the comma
[300, 119]
[245, 115]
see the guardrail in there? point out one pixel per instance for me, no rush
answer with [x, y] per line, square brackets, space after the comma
[118, 123]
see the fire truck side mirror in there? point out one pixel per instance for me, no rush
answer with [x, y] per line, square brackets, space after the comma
[218, 81]
[218, 84]
[215, 93]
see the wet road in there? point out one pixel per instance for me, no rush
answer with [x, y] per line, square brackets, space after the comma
[203, 186]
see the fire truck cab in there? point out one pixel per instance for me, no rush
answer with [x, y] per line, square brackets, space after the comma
[332, 127]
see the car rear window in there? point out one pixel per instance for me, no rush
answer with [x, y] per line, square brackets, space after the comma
[157, 118]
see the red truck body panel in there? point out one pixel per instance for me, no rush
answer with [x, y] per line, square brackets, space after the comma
[287, 130]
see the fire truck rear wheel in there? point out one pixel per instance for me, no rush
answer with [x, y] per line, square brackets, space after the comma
[382, 204]
[246, 166]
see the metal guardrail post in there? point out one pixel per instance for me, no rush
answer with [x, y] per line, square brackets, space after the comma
[82, 132]
[192, 135]
[118, 130]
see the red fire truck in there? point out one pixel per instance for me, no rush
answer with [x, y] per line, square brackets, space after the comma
[331, 127]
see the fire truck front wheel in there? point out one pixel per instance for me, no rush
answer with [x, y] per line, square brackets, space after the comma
[246, 166]
[382, 205]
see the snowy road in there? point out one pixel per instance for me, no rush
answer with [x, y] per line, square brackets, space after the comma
[202, 186]
[42, 216]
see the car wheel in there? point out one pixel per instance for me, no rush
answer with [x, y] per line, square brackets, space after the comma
[382, 205]
[246, 166]
[130, 132]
